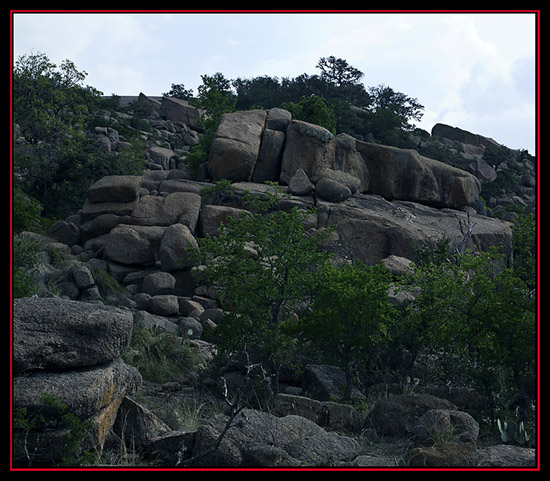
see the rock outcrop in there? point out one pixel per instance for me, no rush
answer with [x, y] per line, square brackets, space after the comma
[71, 352]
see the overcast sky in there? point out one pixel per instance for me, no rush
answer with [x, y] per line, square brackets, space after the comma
[475, 71]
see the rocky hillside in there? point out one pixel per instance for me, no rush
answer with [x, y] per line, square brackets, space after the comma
[381, 200]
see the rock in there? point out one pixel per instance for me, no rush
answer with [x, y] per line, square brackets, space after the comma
[504, 455]
[307, 146]
[82, 277]
[133, 244]
[350, 181]
[102, 224]
[454, 133]
[370, 228]
[147, 106]
[329, 415]
[484, 172]
[190, 327]
[179, 110]
[263, 440]
[115, 188]
[136, 425]
[398, 266]
[91, 393]
[300, 184]
[212, 216]
[164, 305]
[174, 248]
[399, 415]
[451, 425]
[331, 190]
[53, 333]
[158, 283]
[161, 156]
[348, 160]
[268, 165]
[324, 382]
[151, 321]
[180, 207]
[278, 119]
[65, 232]
[236, 145]
[446, 454]
[403, 174]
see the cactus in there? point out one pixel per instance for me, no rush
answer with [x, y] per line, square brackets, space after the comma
[512, 432]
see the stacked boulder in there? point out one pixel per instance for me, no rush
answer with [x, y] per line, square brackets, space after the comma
[70, 351]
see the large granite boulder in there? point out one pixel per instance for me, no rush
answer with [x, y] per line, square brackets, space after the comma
[404, 174]
[235, 148]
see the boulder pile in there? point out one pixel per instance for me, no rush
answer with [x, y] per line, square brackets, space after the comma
[138, 230]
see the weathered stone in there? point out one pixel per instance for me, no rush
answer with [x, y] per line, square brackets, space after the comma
[261, 439]
[403, 174]
[399, 415]
[300, 184]
[235, 148]
[278, 119]
[370, 228]
[115, 188]
[133, 244]
[53, 333]
[102, 224]
[179, 110]
[307, 146]
[164, 305]
[347, 159]
[212, 216]
[268, 165]
[329, 415]
[331, 190]
[505, 455]
[66, 232]
[161, 156]
[180, 207]
[174, 248]
[451, 425]
[446, 454]
[152, 321]
[92, 393]
[349, 180]
[158, 283]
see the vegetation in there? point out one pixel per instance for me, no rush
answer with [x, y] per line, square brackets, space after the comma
[472, 320]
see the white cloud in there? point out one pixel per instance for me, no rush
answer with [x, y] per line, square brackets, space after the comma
[474, 71]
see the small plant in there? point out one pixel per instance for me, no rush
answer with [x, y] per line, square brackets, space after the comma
[34, 445]
[513, 432]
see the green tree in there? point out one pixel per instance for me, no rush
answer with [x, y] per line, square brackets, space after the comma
[478, 318]
[180, 92]
[54, 161]
[337, 71]
[215, 98]
[350, 315]
[264, 264]
[313, 110]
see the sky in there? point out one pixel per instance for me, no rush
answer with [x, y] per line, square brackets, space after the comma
[475, 71]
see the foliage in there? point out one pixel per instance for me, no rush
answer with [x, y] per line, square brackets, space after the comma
[25, 260]
[350, 315]
[264, 264]
[214, 99]
[158, 355]
[337, 71]
[54, 161]
[180, 92]
[57, 412]
[313, 110]
[478, 319]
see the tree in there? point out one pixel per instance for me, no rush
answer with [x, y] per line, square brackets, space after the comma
[54, 161]
[404, 107]
[180, 92]
[350, 315]
[215, 98]
[478, 318]
[337, 71]
[313, 110]
[263, 263]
